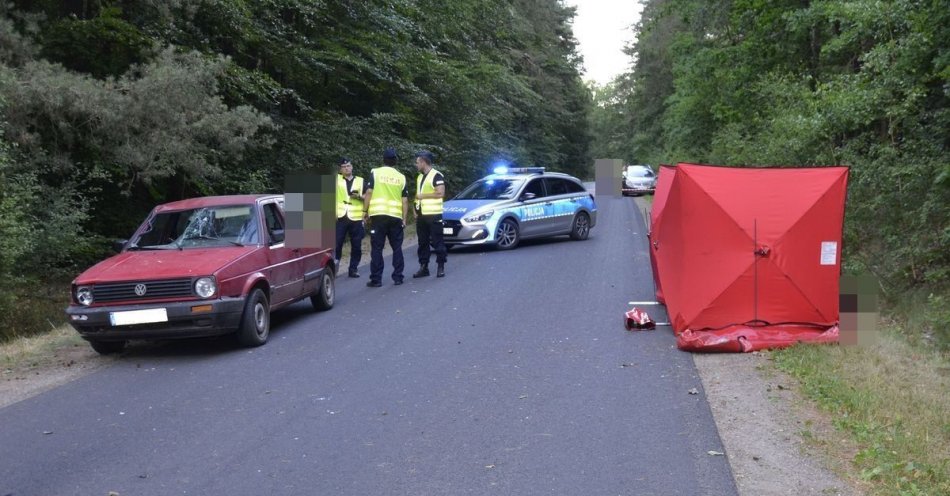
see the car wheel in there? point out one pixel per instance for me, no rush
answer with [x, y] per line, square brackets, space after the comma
[581, 227]
[448, 247]
[107, 347]
[507, 235]
[326, 293]
[255, 322]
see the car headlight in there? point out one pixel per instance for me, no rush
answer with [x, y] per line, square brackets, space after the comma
[84, 295]
[481, 217]
[205, 287]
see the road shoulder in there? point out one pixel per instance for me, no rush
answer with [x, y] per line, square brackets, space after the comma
[764, 423]
[30, 366]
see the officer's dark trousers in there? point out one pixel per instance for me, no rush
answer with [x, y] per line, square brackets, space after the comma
[354, 228]
[429, 230]
[383, 227]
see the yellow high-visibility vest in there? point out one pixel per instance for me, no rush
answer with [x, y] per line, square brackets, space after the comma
[428, 206]
[347, 206]
[388, 185]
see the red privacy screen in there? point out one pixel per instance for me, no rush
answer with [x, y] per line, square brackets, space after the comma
[749, 246]
[663, 182]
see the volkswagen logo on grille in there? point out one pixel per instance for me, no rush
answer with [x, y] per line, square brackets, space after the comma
[140, 289]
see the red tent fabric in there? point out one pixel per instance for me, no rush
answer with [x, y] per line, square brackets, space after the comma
[663, 182]
[754, 251]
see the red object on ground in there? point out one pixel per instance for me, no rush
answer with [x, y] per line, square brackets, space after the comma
[637, 319]
[745, 339]
[749, 258]
[663, 182]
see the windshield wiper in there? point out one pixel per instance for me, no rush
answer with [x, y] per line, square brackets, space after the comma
[149, 247]
[212, 238]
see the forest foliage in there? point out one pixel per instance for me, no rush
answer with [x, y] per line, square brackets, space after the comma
[108, 107]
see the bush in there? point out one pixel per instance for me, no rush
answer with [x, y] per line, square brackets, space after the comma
[103, 46]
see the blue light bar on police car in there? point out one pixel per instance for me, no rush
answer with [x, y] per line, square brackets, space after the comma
[519, 170]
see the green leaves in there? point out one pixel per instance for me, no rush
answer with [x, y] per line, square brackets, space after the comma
[135, 102]
[856, 82]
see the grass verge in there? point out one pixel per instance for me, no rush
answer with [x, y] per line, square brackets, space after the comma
[891, 400]
[38, 351]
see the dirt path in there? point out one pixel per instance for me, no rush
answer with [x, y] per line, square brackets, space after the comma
[30, 366]
[764, 422]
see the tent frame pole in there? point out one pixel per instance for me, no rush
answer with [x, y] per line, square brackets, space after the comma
[755, 265]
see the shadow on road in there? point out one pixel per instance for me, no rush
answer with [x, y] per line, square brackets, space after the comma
[220, 345]
[524, 244]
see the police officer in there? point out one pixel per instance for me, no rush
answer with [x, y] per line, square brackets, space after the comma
[386, 206]
[430, 190]
[349, 215]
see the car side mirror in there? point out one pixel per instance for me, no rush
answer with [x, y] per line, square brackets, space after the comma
[528, 196]
[276, 236]
[119, 244]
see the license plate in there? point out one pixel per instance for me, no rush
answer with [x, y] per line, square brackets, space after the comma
[133, 317]
[447, 230]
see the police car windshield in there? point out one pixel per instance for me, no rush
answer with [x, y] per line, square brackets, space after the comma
[491, 189]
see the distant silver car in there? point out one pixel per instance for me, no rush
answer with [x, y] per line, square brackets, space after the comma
[638, 180]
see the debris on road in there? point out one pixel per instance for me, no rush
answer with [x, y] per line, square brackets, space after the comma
[715, 453]
[693, 391]
[636, 319]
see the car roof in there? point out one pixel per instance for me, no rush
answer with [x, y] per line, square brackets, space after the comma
[525, 175]
[214, 201]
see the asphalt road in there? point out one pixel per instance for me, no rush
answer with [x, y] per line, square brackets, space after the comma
[511, 376]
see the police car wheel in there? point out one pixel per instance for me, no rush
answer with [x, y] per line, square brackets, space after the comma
[326, 293]
[255, 323]
[581, 228]
[507, 235]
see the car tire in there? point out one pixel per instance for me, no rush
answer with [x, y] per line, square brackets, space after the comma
[448, 247]
[326, 292]
[107, 347]
[507, 235]
[255, 322]
[580, 229]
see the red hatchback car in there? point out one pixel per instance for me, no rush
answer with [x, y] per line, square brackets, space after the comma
[200, 267]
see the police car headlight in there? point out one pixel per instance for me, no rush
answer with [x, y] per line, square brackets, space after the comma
[84, 295]
[205, 287]
[481, 217]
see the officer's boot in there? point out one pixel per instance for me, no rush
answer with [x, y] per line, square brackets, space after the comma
[422, 272]
[441, 271]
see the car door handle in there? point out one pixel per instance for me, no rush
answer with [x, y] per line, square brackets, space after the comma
[546, 204]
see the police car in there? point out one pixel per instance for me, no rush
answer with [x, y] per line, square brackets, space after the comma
[513, 204]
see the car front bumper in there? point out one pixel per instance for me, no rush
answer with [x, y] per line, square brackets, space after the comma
[94, 323]
[468, 234]
[638, 189]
